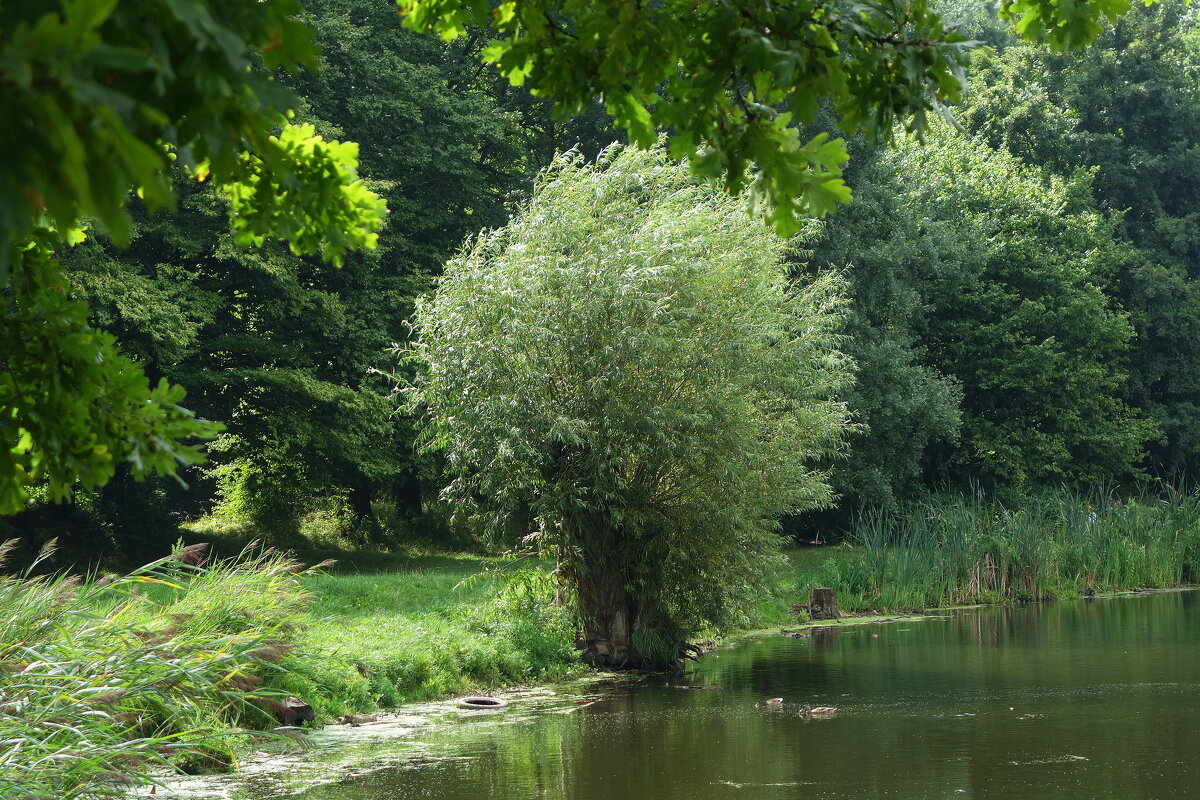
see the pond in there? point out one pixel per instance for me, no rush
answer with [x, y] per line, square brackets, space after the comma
[1084, 699]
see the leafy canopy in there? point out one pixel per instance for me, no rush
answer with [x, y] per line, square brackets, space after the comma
[1127, 109]
[98, 100]
[731, 79]
[100, 97]
[989, 272]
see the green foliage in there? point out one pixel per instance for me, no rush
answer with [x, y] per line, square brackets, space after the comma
[1063, 25]
[105, 679]
[1127, 109]
[728, 79]
[261, 206]
[1024, 324]
[624, 359]
[281, 349]
[118, 90]
[906, 406]
[98, 100]
[74, 408]
[970, 265]
[278, 347]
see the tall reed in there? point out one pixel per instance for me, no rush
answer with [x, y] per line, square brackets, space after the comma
[100, 684]
[952, 550]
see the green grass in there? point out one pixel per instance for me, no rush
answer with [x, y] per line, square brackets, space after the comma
[440, 625]
[387, 628]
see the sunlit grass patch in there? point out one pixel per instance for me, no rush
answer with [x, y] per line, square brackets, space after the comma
[381, 639]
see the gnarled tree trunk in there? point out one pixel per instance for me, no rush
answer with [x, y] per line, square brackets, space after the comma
[612, 614]
[608, 608]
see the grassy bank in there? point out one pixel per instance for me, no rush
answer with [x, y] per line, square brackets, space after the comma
[965, 550]
[106, 681]
[440, 624]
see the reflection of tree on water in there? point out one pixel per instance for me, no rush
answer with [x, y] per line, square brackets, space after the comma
[825, 637]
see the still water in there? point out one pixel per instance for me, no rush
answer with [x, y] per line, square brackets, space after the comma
[1085, 699]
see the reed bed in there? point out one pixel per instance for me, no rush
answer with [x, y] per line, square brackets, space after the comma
[969, 549]
[104, 683]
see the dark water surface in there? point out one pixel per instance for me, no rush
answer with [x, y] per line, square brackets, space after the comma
[1088, 699]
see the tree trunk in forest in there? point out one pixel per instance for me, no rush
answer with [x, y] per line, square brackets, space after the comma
[406, 494]
[362, 491]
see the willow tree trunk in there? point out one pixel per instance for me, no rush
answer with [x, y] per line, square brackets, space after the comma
[612, 613]
[609, 610]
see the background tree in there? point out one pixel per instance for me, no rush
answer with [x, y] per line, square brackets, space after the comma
[1128, 108]
[977, 286]
[625, 358]
[731, 79]
[99, 98]
[280, 348]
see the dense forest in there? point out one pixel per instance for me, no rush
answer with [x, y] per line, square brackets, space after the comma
[1021, 280]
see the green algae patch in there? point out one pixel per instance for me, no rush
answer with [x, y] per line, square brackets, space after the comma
[424, 733]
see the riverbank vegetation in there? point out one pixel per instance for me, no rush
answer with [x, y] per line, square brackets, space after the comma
[106, 679]
[108, 682]
[117, 679]
[966, 549]
[978, 382]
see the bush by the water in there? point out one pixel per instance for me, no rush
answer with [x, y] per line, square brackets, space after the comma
[101, 681]
[970, 549]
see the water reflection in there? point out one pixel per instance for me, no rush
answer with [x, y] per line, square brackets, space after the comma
[1088, 699]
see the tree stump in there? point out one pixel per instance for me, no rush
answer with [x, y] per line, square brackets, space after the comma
[824, 605]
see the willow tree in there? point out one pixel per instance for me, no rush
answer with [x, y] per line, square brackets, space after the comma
[626, 360]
